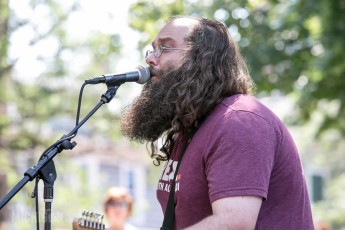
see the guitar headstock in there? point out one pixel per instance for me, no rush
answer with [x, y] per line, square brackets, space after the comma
[89, 221]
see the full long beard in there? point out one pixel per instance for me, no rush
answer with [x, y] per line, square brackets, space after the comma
[151, 114]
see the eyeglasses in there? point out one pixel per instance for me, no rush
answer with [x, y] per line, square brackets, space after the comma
[159, 50]
[114, 204]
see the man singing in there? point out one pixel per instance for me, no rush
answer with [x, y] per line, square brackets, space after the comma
[241, 169]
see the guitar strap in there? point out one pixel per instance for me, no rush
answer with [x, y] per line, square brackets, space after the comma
[169, 216]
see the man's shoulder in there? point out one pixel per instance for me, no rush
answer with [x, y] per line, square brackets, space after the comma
[241, 108]
[241, 102]
[228, 109]
[246, 103]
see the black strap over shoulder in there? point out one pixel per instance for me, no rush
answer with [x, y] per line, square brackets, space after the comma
[169, 216]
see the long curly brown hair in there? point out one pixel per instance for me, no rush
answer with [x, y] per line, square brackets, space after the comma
[212, 69]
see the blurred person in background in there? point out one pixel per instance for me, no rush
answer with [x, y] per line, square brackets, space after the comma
[320, 225]
[118, 204]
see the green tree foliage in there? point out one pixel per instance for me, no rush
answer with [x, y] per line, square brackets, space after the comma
[148, 16]
[63, 61]
[38, 107]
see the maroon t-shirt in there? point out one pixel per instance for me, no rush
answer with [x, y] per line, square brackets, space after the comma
[241, 149]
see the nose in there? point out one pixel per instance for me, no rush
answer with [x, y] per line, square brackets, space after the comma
[151, 59]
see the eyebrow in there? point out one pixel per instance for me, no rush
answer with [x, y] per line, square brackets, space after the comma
[164, 40]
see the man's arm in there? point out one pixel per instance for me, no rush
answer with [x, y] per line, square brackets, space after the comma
[238, 213]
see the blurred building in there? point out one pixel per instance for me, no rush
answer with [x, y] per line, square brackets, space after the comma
[110, 164]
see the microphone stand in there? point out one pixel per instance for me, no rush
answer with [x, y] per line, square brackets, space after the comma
[48, 175]
[45, 167]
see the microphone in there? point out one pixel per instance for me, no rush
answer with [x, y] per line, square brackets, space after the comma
[140, 75]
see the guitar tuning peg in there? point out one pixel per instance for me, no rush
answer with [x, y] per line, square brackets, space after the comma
[87, 219]
[94, 220]
[82, 221]
[102, 226]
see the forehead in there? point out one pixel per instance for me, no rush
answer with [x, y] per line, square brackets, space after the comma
[175, 31]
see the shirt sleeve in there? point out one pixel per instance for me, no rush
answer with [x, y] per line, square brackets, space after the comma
[240, 156]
